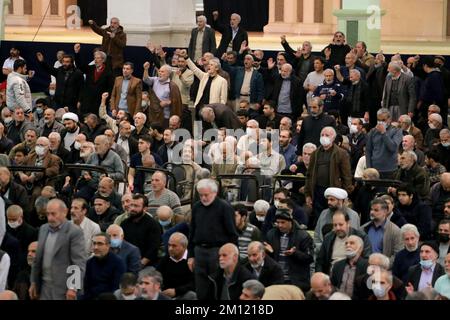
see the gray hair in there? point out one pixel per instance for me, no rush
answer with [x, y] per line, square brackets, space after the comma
[237, 16]
[151, 272]
[143, 114]
[166, 67]
[56, 135]
[59, 202]
[384, 111]
[444, 131]
[411, 154]
[202, 17]
[358, 240]
[330, 129]
[339, 296]
[356, 71]
[181, 237]
[203, 173]
[207, 184]
[257, 244]
[261, 206]
[406, 118]
[253, 121]
[383, 260]
[395, 65]
[318, 101]
[329, 71]
[256, 288]
[409, 228]
[310, 146]
[435, 116]
[102, 54]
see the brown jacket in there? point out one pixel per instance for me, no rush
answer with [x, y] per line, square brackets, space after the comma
[134, 97]
[112, 46]
[418, 136]
[340, 172]
[155, 113]
[52, 165]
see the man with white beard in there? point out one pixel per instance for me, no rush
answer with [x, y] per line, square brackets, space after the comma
[409, 256]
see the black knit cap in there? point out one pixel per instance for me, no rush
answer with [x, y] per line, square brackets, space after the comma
[432, 244]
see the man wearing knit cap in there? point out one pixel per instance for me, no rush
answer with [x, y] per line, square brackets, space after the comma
[292, 248]
[425, 274]
[336, 200]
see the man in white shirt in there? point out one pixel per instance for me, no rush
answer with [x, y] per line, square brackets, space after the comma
[78, 211]
[8, 65]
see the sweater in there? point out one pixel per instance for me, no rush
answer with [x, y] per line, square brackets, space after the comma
[102, 275]
[212, 225]
[176, 275]
[381, 149]
[405, 259]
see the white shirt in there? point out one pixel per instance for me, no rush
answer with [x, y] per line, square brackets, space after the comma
[9, 63]
[125, 145]
[4, 271]
[90, 229]
[184, 257]
[69, 139]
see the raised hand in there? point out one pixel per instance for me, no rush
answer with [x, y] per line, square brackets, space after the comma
[147, 65]
[105, 96]
[77, 47]
[91, 22]
[270, 63]
[283, 38]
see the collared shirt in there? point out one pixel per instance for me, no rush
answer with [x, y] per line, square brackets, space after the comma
[123, 104]
[245, 89]
[199, 44]
[426, 278]
[162, 91]
[184, 257]
[376, 235]
[235, 31]
[284, 99]
[49, 248]
[443, 250]
[257, 272]
[348, 280]
[125, 145]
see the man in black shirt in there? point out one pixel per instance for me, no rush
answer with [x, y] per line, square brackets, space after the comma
[212, 226]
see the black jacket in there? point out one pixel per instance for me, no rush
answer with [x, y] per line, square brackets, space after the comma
[415, 272]
[132, 144]
[106, 219]
[296, 94]
[240, 275]
[91, 92]
[323, 260]
[67, 91]
[311, 128]
[18, 195]
[339, 268]
[361, 292]
[227, 37]
[271, 272]
[299, 262]
[418, 214]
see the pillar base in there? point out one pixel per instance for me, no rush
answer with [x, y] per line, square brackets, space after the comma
[299, 28]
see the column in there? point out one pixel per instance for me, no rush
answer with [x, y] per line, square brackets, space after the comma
[4, 8]
[169, 24]
[301, 16]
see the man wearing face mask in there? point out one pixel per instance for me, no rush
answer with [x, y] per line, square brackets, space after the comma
[435, 126]
[69, 81]
[128, 288]
[382, 287]
[71, 131]
[103, 270]
[329, 167]
[41, 157]
[346, 271]
[425, 274]
[129, 253]
[382, 145]
[443, 148]
[443, 240]
[358, 140]
[78, 212]
[20, 229]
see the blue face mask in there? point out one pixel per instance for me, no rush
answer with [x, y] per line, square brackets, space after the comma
[164, 223]
[426, 264]
[39, 111]
[116, 243]
[379, 291]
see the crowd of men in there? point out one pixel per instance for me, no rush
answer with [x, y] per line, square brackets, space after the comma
[359, 145]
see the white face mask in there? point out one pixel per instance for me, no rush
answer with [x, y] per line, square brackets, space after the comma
[445, 144]
[260, 218]
[130, 297]
[384, 124]
[8, 120]
[432, 126]
[14, 225]
[353, 129]
[51, 92]
[276, 203]
[144, 104]
[251, 132]
[325, 141]
[40, 151]
[77, 145]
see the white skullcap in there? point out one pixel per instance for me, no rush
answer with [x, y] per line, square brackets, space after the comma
[338, 193]
[70, 116]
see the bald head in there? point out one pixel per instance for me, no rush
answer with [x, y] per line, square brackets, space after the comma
[445, 181]
[321, 285]
[115, 231]
[164, 213]
[8, 295]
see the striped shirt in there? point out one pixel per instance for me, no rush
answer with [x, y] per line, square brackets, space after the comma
[249, 234]
[167, 198]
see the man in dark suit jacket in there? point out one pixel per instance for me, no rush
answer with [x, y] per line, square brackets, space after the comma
[264, 268]
[208, 41]
[220, 115]
[129, 253]
[353, 263]
[427, 271]
[13, 193]
[232, 35]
